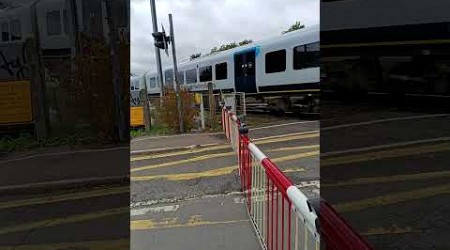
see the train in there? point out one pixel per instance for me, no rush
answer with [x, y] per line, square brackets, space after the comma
[397, 56]
[282, 72]
[57, 21]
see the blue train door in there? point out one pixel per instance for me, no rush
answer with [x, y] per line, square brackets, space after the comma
[244, 71]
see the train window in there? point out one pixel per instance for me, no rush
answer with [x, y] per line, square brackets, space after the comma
[153, 82]
[168, 77]
[276, 61]
[180, 77]
[66, 22]
[5, 32]
[205, 74]
[53, 23]
[16, 30]
[307, 56]
[191, 76]
[221, 71]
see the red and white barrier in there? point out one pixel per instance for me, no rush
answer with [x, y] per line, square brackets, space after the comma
[280, 212]
[231, 125]
[282, 216]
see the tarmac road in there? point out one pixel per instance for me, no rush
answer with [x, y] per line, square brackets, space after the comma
[386, 171]
[190, 198]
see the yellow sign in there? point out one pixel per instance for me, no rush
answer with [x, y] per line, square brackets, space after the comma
[136, 116]
[15, 102]
[198, 98]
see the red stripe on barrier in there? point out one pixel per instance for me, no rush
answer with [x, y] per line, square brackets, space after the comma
[336, 232]
[277, 176]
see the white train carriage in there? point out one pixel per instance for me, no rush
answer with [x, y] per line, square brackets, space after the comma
[284, 65]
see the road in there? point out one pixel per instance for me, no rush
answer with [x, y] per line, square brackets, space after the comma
[386, 170]
[82, 216]
[190, 199]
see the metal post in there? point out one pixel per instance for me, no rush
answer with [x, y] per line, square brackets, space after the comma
[202, 112]
[38, 81]
[212, 106]
[147, 115]
[157, 52]
[175, 75]
[118, 92]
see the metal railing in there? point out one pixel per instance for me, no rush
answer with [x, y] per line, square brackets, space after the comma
[282, 216]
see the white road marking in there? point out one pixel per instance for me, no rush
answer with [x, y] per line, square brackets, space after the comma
[381, 121]
[281, 125]
[142, 211]
[384, 146]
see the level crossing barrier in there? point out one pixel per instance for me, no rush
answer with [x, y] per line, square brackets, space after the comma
[231, 124]
[282, 216]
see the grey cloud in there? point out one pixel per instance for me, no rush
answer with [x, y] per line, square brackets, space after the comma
[203, 24]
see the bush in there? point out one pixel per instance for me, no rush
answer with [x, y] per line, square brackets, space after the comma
[167, 114]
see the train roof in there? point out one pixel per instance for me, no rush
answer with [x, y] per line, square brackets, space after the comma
[366, 14]
[308, 32]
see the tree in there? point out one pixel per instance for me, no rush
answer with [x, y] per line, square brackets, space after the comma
[196, 55]
[296, 26]
[245, 41]
[228, 46]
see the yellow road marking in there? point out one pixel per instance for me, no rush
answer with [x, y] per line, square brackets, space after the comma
[294, 148]
[215, 172]
[64, 197]
[383, 154]
[91, 245]
[261, 141]
[66, 220]
[394, 178]
[194, 221]
[198, 158]
[394, 198]
[211, 156]
[187, 176]
[292, 170]
[390, 230]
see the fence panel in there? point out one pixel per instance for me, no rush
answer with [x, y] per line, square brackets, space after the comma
[282, 216]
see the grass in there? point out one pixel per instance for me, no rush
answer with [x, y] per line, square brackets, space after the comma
[154, 130]
[25, 142]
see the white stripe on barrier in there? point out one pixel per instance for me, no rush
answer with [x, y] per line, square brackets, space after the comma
[299, 200]
[234, 117]
[257, 153]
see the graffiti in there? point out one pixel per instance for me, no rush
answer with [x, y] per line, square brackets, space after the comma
[13, 62]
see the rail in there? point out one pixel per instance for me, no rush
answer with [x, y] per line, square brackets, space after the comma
[282, 216]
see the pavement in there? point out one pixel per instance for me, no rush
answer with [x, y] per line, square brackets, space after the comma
[385, 169]
[190, 198]
[152, 144]
[65, 200]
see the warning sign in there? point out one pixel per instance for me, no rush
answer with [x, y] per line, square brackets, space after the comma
[136, 116]
[15, 102]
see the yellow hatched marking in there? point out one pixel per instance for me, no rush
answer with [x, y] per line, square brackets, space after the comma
[215, 172]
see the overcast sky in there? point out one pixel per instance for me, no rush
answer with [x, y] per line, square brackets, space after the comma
[203, 24]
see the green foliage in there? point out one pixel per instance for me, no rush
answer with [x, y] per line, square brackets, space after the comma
[167, 114]
[296, 26]
[25, 142]
[154, 130]
[228, 46]
[196, 55]
[245, 41]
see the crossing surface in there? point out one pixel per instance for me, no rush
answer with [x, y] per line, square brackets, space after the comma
[190, 199]
[58, 217]
[72, 219]
[386, 170]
